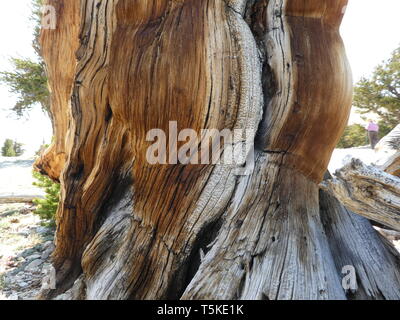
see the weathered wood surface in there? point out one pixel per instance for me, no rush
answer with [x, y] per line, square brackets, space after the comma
[269, 239]
[392, 165]
[305, 115]
[391, 144]
[58, 48]
[367, 191]
[391, 141]
[355, 243]
[19, 198]
[389, 234]
[131, 230]
[194, 62]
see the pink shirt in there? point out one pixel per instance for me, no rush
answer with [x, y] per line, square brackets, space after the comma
[372, 127]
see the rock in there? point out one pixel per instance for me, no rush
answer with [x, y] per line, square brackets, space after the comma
[21, 259]
[10, 280]
[24, 233]
[11, 264]
[23, 284]
[14, 296]
[61, 297]
[33, 257]
[48, 244]
[26, 209]
[46, 253]
[49, 237]
[33, 266]
[27, 253]
[42, 230]
[16, 270]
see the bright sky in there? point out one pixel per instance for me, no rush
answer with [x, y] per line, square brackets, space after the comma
[16, 38]
[371, 31]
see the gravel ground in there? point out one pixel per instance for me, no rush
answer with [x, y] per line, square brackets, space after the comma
[25, 249]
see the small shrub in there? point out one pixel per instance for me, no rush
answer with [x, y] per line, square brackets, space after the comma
[46, 208]
[18, 148]
[354, 136]
[8, 149]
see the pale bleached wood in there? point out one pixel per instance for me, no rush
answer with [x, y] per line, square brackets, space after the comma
[367, 191]
[390, 143]
[389, 234]
[19, 199]
[355, 243]
[268, 241]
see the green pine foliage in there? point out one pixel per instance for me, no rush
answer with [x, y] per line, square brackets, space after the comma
[380, 94]
[28, 80]
[27, 77]
[46, 208]
[354, 136]
[11, 148]
[18, 149]
[8, 149]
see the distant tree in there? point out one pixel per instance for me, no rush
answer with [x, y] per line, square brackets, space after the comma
[18, 149]
[384, 128]
[380, 94]
[28, 77]
[8, 149]
[11, 148]
[353, 136]
[28, 80]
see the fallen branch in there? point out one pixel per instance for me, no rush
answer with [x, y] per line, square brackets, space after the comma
[392, 165]
[367, 191]
[18, 199]
[388, 234]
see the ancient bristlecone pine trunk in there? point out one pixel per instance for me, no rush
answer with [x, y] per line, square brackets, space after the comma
[128, 229]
